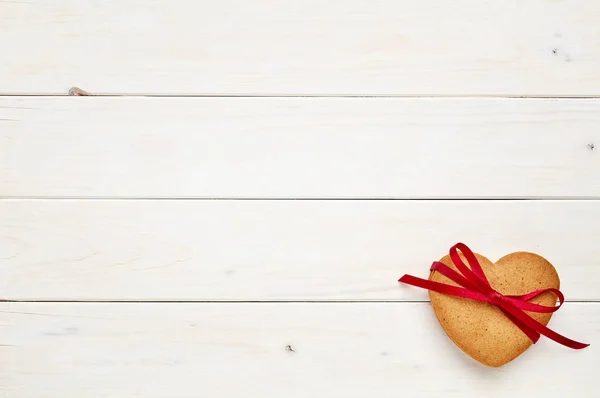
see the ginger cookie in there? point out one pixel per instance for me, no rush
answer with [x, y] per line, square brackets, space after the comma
[480, 329]
[494, 312]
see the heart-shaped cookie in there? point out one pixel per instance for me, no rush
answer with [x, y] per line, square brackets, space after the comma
[480, 329]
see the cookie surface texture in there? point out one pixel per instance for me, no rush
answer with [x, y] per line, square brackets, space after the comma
[480, 329]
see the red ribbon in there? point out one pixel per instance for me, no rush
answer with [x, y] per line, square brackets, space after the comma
[477, 287]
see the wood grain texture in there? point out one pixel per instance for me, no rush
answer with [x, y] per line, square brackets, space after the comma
[363, 47]
[299, 147]
[229, 350]
[276, 250]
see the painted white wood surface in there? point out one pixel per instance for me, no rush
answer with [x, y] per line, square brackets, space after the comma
[276, 250]
[74, 350]
[120, 159]
[299, 147]
[356, 47]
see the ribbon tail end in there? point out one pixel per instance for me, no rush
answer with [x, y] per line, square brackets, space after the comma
[580, 346]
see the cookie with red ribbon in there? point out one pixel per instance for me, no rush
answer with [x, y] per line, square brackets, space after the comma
[494, 311]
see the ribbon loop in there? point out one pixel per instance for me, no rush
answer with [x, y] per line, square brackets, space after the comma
[474, 285]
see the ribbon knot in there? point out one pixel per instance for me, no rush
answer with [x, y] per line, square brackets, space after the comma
[496, 297]
[474, 285]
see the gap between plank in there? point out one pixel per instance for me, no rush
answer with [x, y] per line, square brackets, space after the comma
[244, 301]
[297, 95]
[229, 198]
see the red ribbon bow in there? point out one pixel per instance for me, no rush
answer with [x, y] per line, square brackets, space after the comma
[477, 287]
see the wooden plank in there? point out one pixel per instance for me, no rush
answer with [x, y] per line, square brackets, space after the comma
[299, 147]
[362, 47]
[231, 350]
[276, 250]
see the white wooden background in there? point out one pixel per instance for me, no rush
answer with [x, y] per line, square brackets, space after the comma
[229, 213]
